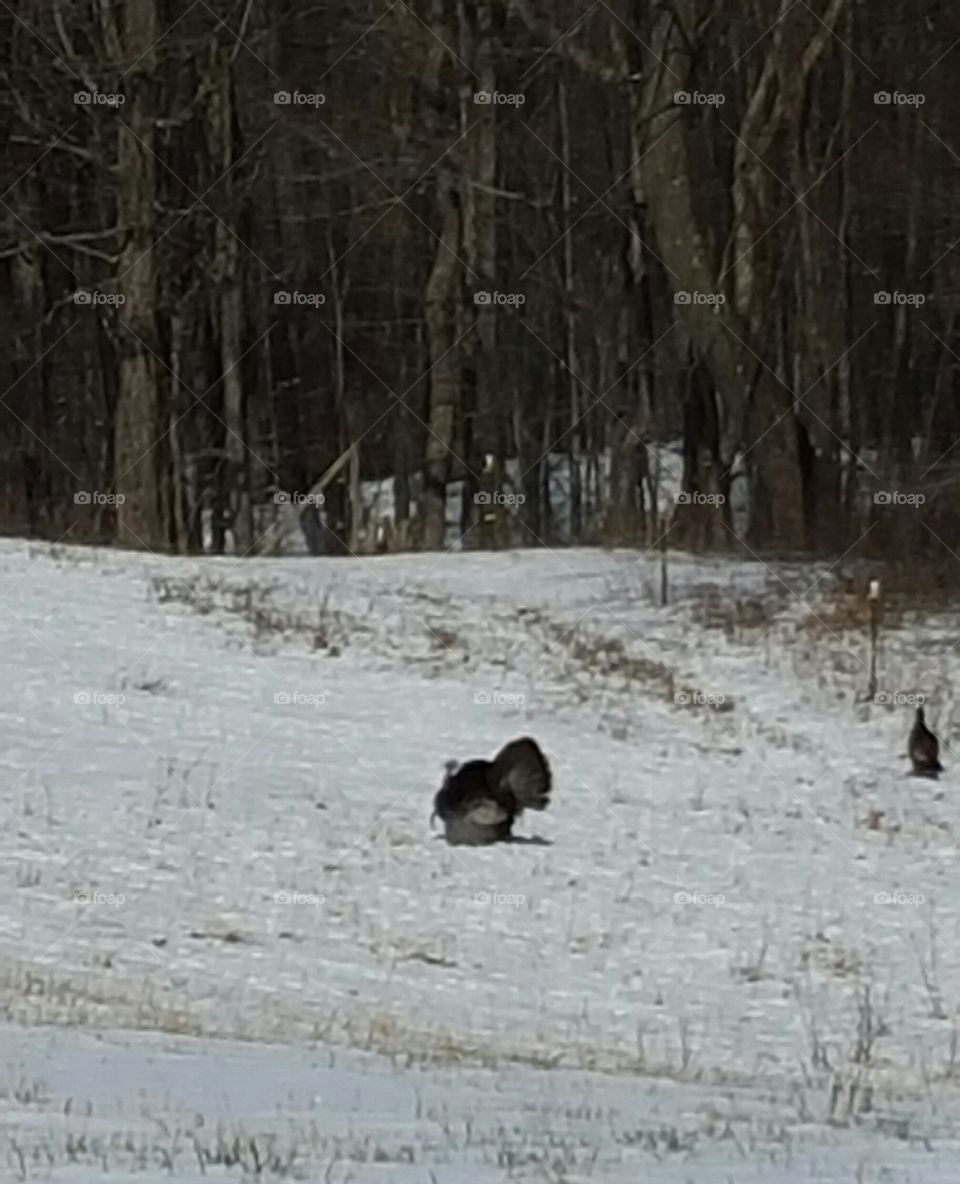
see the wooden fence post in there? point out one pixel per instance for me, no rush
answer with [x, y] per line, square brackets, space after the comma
[873, 596]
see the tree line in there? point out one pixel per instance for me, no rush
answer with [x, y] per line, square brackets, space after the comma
[505, 249]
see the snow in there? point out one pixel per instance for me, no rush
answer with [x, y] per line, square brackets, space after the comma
[664, 461]
[713, 958]
[88, 1106]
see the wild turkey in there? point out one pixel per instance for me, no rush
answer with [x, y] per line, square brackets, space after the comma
[924, 749]
[480, 800]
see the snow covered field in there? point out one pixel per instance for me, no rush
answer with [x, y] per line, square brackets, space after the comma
[83, 1107]
[729, 949]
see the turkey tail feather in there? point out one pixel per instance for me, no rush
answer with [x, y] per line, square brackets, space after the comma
[521, 768]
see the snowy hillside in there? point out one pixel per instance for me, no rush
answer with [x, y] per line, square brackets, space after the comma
[728, 949]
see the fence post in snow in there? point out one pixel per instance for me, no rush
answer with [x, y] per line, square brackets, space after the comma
[873, 596]
[664, 584]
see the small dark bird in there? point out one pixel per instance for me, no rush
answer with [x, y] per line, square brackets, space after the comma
[480, 800]
[924, 749]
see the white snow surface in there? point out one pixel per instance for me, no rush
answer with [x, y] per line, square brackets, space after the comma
[728, 950]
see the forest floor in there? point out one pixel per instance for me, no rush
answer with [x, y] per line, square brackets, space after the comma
[231, 946]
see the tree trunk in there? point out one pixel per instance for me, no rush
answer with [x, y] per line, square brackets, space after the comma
[720, 335]
[484, 454]
[228, 305]
[442, 309]
[575, 473]
[141, 451]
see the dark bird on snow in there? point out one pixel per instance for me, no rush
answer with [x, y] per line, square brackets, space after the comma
[480, 800]
[924, 749]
